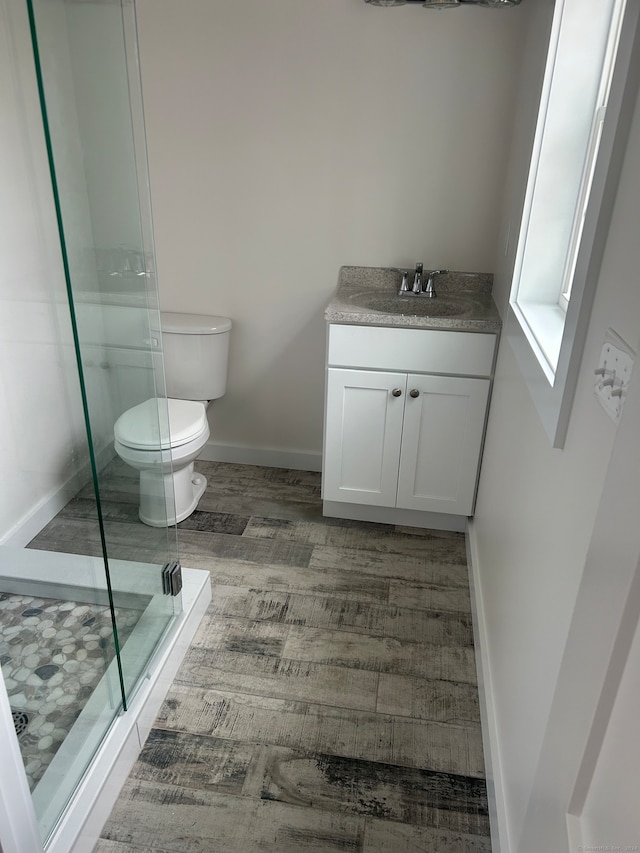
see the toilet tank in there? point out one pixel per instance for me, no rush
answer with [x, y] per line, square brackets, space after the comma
[196, 355]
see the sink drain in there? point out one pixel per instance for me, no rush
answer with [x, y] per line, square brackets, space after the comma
[20, 721]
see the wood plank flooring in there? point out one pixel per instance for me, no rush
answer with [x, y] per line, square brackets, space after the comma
[329, 700]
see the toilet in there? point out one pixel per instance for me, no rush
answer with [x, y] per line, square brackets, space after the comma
[196, 354]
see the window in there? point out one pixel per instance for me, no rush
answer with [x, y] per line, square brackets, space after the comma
[583, 119]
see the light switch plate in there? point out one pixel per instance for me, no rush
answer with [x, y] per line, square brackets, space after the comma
[613, 374]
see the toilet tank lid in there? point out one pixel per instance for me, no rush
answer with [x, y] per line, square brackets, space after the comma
[193, 324]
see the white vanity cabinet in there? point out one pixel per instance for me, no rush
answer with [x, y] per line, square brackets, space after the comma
[405, 417]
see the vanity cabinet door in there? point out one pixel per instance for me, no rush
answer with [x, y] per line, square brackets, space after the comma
[441, 444]
[363, 435]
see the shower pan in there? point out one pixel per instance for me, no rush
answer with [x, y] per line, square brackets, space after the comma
[87, 618]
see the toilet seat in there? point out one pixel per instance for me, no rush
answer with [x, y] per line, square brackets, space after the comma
[144, 427]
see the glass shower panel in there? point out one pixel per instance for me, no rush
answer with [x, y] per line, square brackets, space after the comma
[58, 649]
[83, 609]
[86, 54]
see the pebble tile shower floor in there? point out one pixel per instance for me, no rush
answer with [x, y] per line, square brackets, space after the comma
[53, 654]
[329, 700]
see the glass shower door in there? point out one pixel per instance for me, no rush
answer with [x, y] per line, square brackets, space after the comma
[86, 66]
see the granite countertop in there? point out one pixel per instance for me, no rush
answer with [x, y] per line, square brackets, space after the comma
[369, 296]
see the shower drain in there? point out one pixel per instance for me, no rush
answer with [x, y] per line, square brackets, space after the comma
[20, 721]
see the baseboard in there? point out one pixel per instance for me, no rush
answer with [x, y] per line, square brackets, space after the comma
[493, 766]
[40, 515]
[392, 515]
[270, 457]
[49, 506]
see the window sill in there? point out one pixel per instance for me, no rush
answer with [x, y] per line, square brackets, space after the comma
[543, 326]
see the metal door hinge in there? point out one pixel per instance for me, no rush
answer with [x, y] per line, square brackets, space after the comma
[172, 578]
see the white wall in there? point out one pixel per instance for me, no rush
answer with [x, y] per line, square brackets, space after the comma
[611, 808]
[537, 506]
[41, 426]
[287, 139]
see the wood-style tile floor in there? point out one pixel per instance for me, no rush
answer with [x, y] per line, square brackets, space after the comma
[329, 699]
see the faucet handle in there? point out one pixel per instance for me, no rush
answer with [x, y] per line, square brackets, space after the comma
[430, 289]
[404, 287]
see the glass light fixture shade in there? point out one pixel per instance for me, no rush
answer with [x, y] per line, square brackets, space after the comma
[441, 4]
[447, 4]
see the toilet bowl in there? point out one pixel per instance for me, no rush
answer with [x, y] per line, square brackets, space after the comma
[162, 437]
[165, 461]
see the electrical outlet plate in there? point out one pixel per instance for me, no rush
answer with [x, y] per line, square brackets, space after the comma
[613, 374]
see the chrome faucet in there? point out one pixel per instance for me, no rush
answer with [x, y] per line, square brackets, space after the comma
[417, 279]
[429, 289]
[419, 287]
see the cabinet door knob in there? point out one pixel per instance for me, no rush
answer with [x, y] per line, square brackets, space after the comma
[397, 392]
[414, 392]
